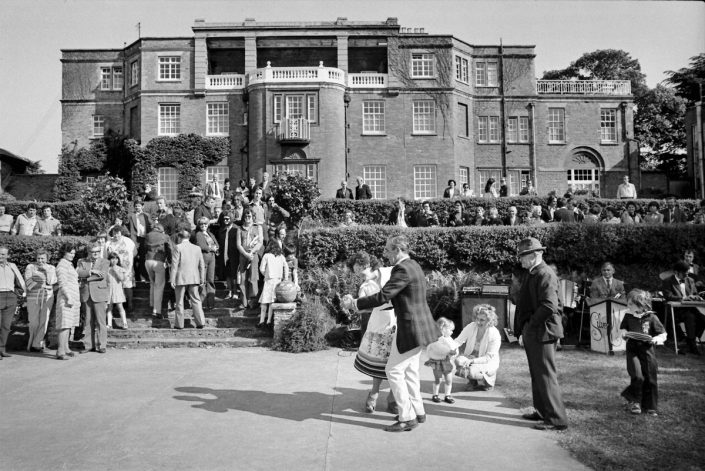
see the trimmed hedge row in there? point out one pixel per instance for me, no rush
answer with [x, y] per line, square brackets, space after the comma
[584, 246]
[332, 211]
[23, 249]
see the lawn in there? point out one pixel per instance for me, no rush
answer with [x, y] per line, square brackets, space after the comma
[602, 435]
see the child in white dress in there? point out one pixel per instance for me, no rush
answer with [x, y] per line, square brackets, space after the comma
[274, 269]
[441, 354]
[116, 275]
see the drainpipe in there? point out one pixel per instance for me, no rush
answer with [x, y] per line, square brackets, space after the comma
[503, 110]
[701, 148]
[532, 148]
[346, 100]
[626, 137]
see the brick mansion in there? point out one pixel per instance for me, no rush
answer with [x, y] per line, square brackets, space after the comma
[404, 109]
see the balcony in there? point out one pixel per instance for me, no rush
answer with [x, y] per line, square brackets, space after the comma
[294, 130]
[584, 87]
[225, 82]
[368, 80]
[318, 74]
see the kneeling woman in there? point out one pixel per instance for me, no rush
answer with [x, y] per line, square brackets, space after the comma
[480, 361]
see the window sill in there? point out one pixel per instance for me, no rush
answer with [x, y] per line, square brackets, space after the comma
[423, 134]
[609, 143]
[522, 143]
[493, 143]
[557, 143]
[169, 80]
[422, 78]
[486, 86]
[373, 134]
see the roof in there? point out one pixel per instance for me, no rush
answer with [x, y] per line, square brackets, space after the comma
[9, 155]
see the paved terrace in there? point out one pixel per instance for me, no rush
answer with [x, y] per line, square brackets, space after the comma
[243, 409]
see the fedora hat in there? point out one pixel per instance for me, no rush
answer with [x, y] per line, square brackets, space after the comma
[529, 245]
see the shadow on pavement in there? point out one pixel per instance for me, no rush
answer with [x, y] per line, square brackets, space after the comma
[346, 407]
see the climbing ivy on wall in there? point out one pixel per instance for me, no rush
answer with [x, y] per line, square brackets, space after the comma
[189, 154]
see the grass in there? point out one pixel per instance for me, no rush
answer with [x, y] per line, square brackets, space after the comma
[601, 434]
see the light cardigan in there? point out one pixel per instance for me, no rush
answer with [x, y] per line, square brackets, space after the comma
[488, 349]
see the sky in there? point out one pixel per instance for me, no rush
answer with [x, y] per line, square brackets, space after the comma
[661, 35]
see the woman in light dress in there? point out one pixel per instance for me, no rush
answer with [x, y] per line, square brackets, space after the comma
[378, 327]
[274, 269]
[68, 300]
[480, 359]
[126, 250]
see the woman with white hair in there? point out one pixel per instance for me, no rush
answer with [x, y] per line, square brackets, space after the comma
[480, 359]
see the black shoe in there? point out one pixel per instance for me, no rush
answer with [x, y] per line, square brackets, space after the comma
[101, 350]
[178, 328]
[5, 355]
[449, 399]
[546, 426]
[200, 326]
[36, 350]
[402, 426]
[532, 416]
[435, 398]
[419, 418]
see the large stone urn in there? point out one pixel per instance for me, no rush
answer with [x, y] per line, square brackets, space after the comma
[286, 292]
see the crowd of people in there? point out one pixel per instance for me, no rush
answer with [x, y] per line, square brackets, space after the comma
[238, 236]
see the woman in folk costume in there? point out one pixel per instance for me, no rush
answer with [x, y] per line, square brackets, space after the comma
[378, 327]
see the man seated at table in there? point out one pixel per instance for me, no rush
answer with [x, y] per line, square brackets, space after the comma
[680, 287]
[606, 286]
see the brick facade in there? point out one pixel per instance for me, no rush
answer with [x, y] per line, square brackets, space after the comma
[338, 67]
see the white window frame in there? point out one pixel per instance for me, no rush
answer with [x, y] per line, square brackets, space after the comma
[218, 119]
[463, 120]
[373, 117]
[169, 115]
[462, 69]
[556, 125]
[220, 171]
[512, 130]
[425, 182]
[169, 68]
[488, 129]
[376, 178]
[98, 125]
[310, 169]
[485, 175]
[168, 183]
[608, 126]
[423, 65]
[106, 78]
[464, 176]
[134, 73]
[486, 73]
[308, 106]
[118, 77]
[523, 129]
[424, 117]
[584, 178]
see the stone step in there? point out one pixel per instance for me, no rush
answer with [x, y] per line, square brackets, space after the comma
[188, 332]
[228, 342]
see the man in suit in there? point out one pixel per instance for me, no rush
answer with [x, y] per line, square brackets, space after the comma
[11, 283]
[266, 185]
[672, 214]
[188, 273]
[680, 287]
[205, 210]
[563, 213]
[163, 217]
[344, 191]
[537, 305]
[139, 224]
[228, 256]
[511, 219]
[95, 294]
[362, 190]
[606, 286]
[406, 289]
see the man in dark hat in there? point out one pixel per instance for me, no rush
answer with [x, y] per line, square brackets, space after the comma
[539, 329]
[680, 287]
[406, 289]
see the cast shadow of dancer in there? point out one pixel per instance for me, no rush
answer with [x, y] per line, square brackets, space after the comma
[343, 407]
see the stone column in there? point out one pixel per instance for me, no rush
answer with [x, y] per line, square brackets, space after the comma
[282, 312]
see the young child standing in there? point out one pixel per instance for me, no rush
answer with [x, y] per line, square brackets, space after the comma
[643, 330]
[290, 255]
[441, 354]
[274, 269]
[116, 275]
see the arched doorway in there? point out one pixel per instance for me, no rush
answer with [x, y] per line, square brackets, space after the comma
[584, 168]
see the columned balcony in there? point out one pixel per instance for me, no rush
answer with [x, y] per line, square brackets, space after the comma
[225, 82]
[318, 74]
[584, 87]
[368, 80]
[294, 130]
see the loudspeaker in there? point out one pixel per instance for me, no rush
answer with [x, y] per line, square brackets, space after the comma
[498, 301]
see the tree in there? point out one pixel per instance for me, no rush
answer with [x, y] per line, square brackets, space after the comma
[659, 125]
[603, 64]
[689, 80]
[296, 194]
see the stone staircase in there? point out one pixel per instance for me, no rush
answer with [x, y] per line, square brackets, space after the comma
[225, 326]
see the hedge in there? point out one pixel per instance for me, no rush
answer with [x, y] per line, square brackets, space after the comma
[576, 246]
[70, 213]
[331, 211]
[22, 249]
